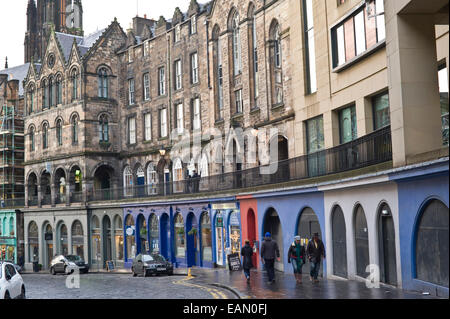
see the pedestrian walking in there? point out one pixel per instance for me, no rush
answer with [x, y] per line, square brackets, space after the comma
[297, 255]
[247, 254]
[315, 251]
[270, 251]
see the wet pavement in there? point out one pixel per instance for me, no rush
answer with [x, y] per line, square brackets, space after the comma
[285, 287]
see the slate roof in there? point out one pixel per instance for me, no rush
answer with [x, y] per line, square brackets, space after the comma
[17, 73]
[84, 43]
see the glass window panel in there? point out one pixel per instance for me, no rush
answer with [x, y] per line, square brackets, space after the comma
[381, 27]
[347, 124]
[340, 45]
[360, 33]
[381, 111]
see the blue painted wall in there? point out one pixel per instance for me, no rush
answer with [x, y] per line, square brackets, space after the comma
[289, 209]
[413, 195]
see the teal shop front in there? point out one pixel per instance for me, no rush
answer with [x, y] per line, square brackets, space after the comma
[8, 236]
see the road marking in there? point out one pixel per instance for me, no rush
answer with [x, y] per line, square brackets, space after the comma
[217, 294]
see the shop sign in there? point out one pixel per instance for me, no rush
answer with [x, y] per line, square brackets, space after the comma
[224, 206]
[219, 222]
[130, 231]
[234, 262]
[234, 219]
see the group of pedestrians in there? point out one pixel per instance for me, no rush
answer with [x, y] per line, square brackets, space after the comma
[297, 256]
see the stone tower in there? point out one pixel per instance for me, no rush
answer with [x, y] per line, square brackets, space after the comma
[64, 16]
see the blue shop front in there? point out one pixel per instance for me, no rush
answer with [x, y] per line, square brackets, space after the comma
[181, 232]
[227, 230]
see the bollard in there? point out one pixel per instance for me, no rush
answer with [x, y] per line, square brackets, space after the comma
[189, 273]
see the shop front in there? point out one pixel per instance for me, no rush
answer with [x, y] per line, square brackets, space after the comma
[9, 236]
[227, 231]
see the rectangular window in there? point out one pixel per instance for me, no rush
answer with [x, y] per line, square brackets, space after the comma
[196, 116]
[443, 92]
[255, 61]
[358, 33]
[148, 127]
[132, 130]
[194, 24]
[310, 47]
[381, 112]
[220, 78]
[163, 122]
[238, 101]
[180, 118]
[146, 87]
[161, 81]
[315, 144]
[178, 75]
[131, 91]
[130, 55]
[347, 124]
[194, 68]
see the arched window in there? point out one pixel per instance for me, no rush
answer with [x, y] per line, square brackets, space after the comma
[51, 90]
[1, 227]
[180, 246]
[104, 128]
[11, 226]
[205, 225]
[152, 179]
[32, 145]
[118, 237]
[130, 241]
[33, 242]
[96, 238]
[59, 132]
[128, 181]
[75, 130]
[74, 85]
[178, 175]
[103, 83]
[31, 100]
[237, 60]
[45, 136]
[77, 239]
[276, 64]
[59, 90]
[44, 88]
[154, 234]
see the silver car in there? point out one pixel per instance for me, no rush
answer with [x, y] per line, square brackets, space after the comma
[11, 282]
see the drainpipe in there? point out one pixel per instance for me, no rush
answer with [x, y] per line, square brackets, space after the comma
[207, 53]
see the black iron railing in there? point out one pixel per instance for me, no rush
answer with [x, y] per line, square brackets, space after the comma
[372, 149]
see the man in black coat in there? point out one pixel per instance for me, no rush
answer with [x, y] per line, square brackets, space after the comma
[315, 251]
[269, 250]
[247, 263]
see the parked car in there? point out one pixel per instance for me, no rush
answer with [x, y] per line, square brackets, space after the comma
[60, 264]
[82, 265]
[151, 264]
[11, 282]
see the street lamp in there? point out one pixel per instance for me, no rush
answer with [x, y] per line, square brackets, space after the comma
[162, 152]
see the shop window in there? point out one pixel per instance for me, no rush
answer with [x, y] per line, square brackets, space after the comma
[180, 243]
[118, 238]
[443, 92]
[206, 238]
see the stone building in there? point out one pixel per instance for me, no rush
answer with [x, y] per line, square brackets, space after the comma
[330, 83]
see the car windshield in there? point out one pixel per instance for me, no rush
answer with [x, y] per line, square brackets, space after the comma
[159, 258]
[146, 258]
[73, 258]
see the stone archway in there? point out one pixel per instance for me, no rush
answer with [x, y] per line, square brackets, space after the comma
[272, 224]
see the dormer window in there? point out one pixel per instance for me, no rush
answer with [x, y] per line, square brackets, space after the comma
[194, 24]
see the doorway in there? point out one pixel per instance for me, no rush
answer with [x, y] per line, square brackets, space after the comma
[107, 249]
[388, 256]
[306, 227]
[251, 231]
[191, 224]
[272, 224]
[339, 243]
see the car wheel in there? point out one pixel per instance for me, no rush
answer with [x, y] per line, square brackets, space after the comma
[52, 271]
[7, 296]
[134, 274]
[22, 294]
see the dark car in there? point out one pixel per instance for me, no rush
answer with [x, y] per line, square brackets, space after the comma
[151, 264]
[82, 265]
[68, 264]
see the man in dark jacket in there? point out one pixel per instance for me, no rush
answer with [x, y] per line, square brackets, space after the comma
[247, 254]
[269, 250]
[315, 251]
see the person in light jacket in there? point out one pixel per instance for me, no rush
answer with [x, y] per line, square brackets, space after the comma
[297, 255]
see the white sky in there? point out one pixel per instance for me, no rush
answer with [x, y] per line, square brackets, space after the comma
[96, 14]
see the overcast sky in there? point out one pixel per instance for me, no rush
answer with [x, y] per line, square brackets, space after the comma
[97, 14]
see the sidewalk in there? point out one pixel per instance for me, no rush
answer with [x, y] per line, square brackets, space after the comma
[285, 287]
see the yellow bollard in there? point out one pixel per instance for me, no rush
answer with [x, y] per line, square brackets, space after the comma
[189, 273]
